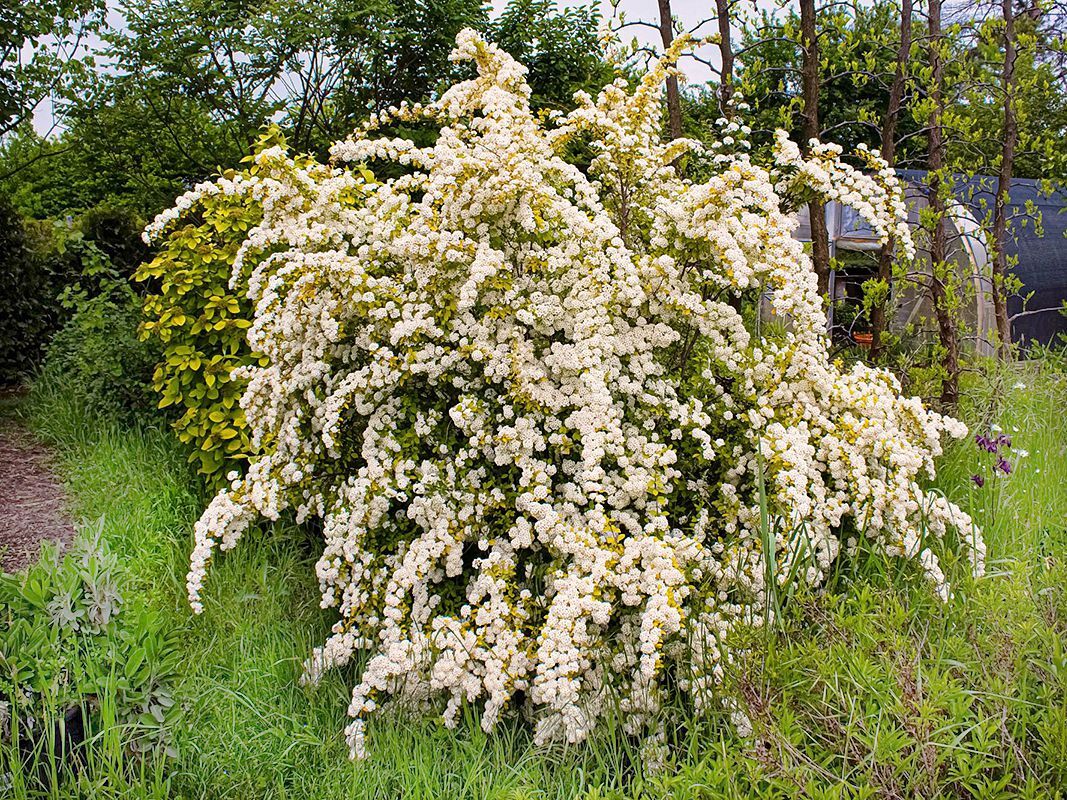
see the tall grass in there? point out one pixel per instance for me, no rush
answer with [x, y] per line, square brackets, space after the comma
[874, 688]
[247, 729]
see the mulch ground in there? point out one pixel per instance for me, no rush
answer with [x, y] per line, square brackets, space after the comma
[32, 500]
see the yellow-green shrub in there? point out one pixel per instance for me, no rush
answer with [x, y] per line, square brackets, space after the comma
[200, 320]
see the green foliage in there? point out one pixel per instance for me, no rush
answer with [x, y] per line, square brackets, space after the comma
[200, 322]
[19, 312]
[40, 53]
[98, 351]
[209, 74]
[114, 152]
[1038, 100]
[858, 56]
[117, 233]
[558, 46]
[857, 50]
[317, 68]
[72, 650]
[44, 178]
[53, 270]
[32, 280]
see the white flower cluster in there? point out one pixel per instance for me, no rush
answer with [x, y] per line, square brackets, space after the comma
[876, 194]
[544, 446]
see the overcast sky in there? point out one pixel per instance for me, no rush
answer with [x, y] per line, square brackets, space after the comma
[688, 12]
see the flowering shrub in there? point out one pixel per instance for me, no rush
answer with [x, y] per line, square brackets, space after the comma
[551, 461]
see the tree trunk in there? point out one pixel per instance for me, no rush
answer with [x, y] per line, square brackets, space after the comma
[726, 85]
[820, 239]
[879, 321]
[946, 322]
[726, 56]
[674, 99]
[1000, 204]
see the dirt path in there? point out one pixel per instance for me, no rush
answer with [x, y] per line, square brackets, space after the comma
[32, 501]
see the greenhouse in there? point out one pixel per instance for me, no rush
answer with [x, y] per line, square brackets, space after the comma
[1037, 255]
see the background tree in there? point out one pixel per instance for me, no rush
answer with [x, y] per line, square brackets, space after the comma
[43, 57]
[937, 194]
[1009, 140]
[318, 69]
[811, 76]
[42, 52]
[827, 73]
[858, 55]
[724, 12]
[894, 109]
[197, 83]
[674, 99]
[1012, 124]
[559, 47]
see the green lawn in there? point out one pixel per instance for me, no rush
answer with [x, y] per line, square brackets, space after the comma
[874, 688]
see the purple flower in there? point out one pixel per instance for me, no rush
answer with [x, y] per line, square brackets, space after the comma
[1004, 465]
[979, 481]
[987, 443]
